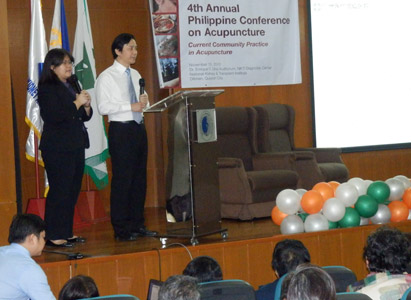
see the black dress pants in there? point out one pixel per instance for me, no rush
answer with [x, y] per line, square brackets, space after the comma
[64, 173]
[128, 150]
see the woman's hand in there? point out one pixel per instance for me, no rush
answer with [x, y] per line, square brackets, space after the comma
[83, 99]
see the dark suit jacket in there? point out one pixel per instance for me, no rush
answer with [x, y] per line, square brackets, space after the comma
[63, 128]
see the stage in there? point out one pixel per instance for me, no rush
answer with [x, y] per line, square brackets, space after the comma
[127, 267]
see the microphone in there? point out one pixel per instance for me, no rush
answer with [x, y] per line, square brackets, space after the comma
[142, 84]
[73, 80]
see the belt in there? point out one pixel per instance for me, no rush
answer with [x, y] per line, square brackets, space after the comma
[128, 122]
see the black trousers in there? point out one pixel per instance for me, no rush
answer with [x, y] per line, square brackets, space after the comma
[64, 173]
[128, 150]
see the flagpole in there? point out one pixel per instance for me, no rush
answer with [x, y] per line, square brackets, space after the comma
[36, 162]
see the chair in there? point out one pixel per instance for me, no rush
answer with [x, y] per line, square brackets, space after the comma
[249, 181]
[275, 133]
[406, 295]
[114, 297]
[342, 277]
[226, 290]
[352, 296]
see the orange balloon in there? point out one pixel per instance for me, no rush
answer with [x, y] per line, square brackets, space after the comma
[406, 197]
[312, 202]
[399, 211]
[324, 189]
[334, 185]
[277, 215]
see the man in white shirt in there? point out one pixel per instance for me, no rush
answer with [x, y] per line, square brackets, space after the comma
[118, 98]
[21, 278]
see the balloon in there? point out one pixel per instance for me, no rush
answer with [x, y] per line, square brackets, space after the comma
[301, 192]
[399, 211]
[379, 190]
[303, 216]
[277, 215]
[364, 221]
[382, 216]
[333, 209]
[406, 197]
[367, 183]
[405, 180]
[366, 206]
[324, 189]
[409, 215]
[359, 185]
[292, 224]
[347, 193]
[334, 185]
[288, 201]
[315, 222]
[350, 219]
[312, 202]
[396, 189]
[332, 225]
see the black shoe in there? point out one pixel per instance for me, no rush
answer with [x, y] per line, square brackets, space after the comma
[77, 239]
[143, 231]
[64, 245]
[125, 238]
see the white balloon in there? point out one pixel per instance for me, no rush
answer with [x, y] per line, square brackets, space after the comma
[396, 189]
[364, 221]
[288, 201]
[359, 184]
[347, 193]
[292, 224]
[367, 183]
[334, 209]
[315, 222]
[301, 192]
[405, 180]
[409, 215]
[382, 216]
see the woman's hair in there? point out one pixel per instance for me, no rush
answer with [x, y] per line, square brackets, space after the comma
[310, 282]
[204, 269]
[387, 249]
[54, 57]
[79, 287]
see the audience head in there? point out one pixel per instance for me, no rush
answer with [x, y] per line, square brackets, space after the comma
[179, 287]
[387, 249]
[310, 282]
[29, 231]
[79, 287]
[287, 255]
[204, 269]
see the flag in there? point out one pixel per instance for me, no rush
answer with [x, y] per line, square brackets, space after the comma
[58, 34]
[37, 53]
[85, 69]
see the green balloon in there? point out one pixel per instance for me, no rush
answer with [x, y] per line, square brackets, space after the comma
[366, 206]
[303, 216]
[379, 190]
[350, 219]
[332, 225]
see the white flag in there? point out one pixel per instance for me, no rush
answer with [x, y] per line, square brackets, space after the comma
[37, 53]
[85, 69]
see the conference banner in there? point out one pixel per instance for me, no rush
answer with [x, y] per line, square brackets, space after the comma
[226, 43]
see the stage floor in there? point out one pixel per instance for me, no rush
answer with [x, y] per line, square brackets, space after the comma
[101, 242]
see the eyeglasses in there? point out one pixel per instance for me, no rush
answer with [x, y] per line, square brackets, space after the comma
[67, 62]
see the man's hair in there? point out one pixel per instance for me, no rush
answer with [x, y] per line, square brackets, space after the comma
[287, 255]
[310, 282]
[179, 287]
[79, 287]
[119, 42]
[387, 249]
[24, 225]
[204, 269]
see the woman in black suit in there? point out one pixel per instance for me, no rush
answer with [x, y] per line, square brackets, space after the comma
[62, 144]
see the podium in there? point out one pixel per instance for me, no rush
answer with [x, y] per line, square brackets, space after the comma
[189, 135]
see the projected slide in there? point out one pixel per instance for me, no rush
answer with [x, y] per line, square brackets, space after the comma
[361, 72]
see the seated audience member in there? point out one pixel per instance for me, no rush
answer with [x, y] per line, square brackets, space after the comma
[204, 269]
[179, 287]
[287, 255]
[310, 282]
[386, 255]
[21, 278]
[79, 287]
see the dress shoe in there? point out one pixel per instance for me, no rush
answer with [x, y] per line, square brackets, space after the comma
[77, 239]
[63, 245]
[143, 231]
[125, 238]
